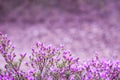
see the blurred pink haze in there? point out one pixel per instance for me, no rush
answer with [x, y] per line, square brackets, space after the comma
[84, 28]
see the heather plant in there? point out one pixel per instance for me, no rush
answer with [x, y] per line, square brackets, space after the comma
[101, 69]
[12, 68]
[51, 63]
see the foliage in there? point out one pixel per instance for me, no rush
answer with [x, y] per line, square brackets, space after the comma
[50, 63]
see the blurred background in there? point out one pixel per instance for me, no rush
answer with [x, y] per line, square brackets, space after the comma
[86, 27]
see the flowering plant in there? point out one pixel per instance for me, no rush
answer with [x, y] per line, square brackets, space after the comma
[50, 63]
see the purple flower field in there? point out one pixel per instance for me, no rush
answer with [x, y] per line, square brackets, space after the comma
[51, 63]
[59, 40]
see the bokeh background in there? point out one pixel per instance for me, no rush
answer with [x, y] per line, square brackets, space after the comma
[86, 27]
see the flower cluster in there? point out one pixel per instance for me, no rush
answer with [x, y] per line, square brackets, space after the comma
[101, 69]
[50, 63]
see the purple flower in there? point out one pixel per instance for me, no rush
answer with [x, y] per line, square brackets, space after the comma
[50, 63]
